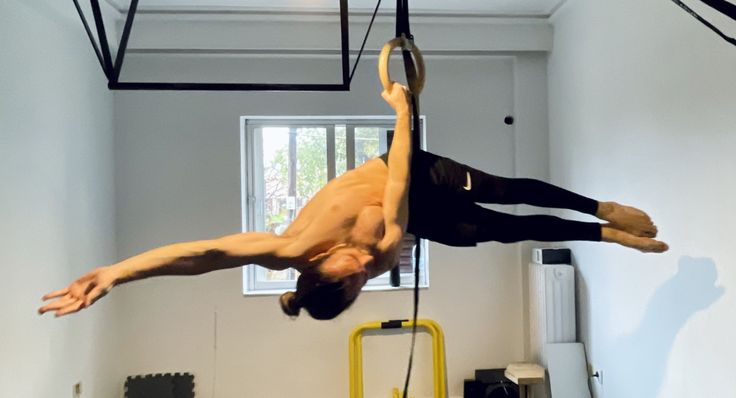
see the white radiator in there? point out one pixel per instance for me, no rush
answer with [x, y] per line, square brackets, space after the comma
[551, 307]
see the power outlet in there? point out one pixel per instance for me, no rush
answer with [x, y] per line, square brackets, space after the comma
[595, 374]
[598, 377]
[596, 383]
[77, 390]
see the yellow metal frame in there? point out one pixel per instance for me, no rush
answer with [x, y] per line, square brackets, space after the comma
[438, 354]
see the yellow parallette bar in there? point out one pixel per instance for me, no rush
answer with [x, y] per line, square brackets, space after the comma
[438, 355]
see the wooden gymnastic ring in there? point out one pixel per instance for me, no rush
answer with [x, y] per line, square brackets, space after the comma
[383, 59]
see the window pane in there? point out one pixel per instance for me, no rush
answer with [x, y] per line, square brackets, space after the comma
[311, 160]
[294, 169]
[292, 165]
[265, 274]
[366, 144]
[275, 188]
[276, 178]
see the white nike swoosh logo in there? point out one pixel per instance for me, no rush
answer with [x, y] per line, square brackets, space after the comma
[469, 185]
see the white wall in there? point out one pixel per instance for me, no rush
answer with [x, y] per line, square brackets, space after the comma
[56, 199]
[642, 101]
[178, 179]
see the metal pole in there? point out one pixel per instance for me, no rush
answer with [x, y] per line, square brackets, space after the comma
[345, 44]
[89, 34]
[124, 41]
[102, 36]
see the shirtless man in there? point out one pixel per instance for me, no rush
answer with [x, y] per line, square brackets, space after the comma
[352, 229]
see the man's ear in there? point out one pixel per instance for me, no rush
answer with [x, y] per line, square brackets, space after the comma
[321, 256]
[365, 260]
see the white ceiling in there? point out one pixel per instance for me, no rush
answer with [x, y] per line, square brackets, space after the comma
[525, 7]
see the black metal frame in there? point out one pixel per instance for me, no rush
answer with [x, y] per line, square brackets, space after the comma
[722, 6]
[112, 71]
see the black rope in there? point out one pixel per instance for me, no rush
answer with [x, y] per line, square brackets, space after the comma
[89, 33]
[365, 39]
[402, 18]
[417, 255]
[705, 22]
[723, 7]
[403, 29]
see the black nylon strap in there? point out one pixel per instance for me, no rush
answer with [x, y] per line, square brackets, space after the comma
[722, 6]
[403, 29]
[402, 18]
[417, 255]
[705, 22]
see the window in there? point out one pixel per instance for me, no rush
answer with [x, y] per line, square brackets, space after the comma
[286, 160]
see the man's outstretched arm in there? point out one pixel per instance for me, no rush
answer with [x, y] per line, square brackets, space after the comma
[396, 195]
[189, 258]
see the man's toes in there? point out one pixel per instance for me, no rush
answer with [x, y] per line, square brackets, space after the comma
[660, 247]
[650, 232]
[655, 246]
[641, 231]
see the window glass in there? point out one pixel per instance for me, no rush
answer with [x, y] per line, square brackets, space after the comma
[286, 162]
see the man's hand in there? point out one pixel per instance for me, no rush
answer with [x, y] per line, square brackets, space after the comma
[397, 97]
[82, 293]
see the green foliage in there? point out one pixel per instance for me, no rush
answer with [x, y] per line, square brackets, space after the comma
[311, 155]
[276, 176]
[366, 144]
[311, 163]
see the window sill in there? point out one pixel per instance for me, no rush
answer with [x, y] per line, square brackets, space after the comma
[278, 292]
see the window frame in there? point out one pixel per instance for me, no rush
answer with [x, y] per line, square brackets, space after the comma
[252, 195]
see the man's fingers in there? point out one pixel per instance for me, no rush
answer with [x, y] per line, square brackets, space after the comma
[401, 87]
[57, 293]
[58, 304]
[74, 307]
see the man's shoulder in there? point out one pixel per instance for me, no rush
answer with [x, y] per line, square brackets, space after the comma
[370, 166]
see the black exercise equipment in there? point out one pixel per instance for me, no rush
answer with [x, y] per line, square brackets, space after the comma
[721, 6]
[112, 70]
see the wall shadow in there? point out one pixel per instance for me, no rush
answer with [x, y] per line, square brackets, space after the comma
[637, 362]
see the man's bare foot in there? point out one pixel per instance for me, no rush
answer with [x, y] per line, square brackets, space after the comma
[645, 245]
[628, 219]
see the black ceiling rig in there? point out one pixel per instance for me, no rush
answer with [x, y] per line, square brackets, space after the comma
[112, 70]
[722, 6]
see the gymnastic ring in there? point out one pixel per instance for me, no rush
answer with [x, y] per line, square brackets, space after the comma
[415, 86]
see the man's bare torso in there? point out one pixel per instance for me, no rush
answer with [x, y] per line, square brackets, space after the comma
[348, 210]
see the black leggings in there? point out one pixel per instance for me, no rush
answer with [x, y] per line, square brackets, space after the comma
[443, 206]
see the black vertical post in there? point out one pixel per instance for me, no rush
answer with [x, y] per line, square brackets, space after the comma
[345, 43]
[124, 41]
[89, 34]
[102, 36]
